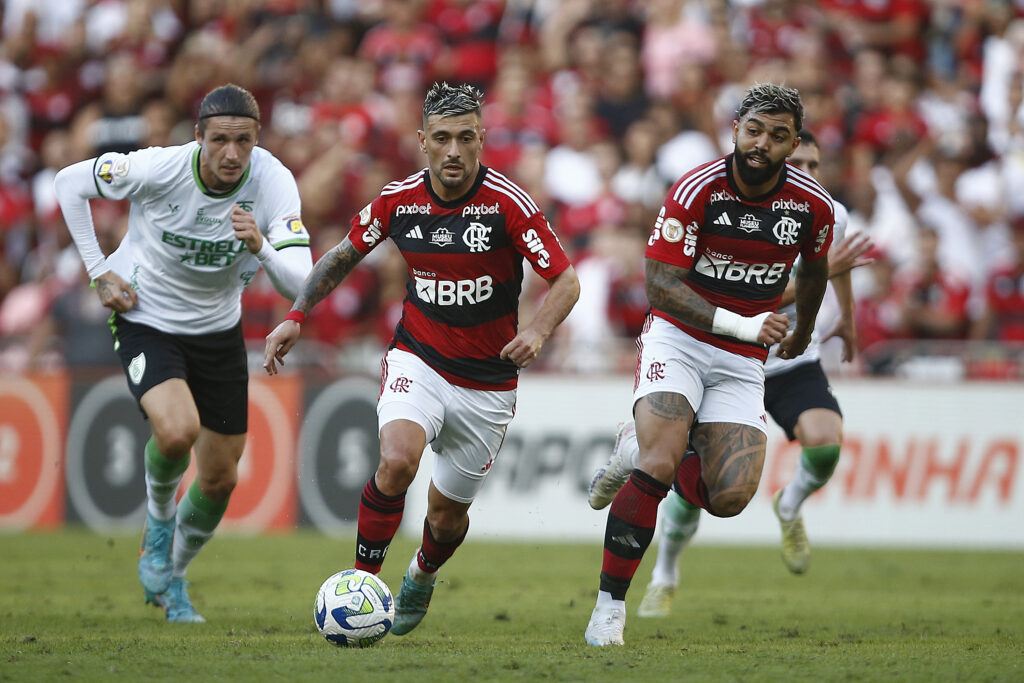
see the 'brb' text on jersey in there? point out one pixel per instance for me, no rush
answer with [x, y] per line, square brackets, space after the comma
[465, 260]
[740, 250]
[180, 252]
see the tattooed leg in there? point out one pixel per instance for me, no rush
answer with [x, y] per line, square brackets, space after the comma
[731, 456]
[663, 422]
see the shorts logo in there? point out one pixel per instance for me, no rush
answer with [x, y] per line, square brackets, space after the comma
[787, 231]
[656, 371]
[477, 238]
[401, 385]
[137, 368]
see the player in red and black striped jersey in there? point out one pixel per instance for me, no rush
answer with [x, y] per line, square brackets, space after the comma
[718, 261]
[450, 376]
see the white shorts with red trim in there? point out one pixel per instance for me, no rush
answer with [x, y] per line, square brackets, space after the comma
[464, 427]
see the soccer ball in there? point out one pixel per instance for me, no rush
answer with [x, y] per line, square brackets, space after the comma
[354, 608]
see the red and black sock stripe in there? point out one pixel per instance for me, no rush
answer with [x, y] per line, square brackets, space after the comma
[433, 554]
[379, 518]
[630, 529]
[689, 482]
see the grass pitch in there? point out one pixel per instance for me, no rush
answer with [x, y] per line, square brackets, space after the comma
[71, 608]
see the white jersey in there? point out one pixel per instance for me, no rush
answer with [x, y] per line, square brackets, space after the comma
[775, 365]
[180, 253]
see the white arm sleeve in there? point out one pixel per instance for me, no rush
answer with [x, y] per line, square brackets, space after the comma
[74, 186]
[287, 268]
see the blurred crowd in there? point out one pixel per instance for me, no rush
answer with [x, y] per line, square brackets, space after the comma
[594, 106]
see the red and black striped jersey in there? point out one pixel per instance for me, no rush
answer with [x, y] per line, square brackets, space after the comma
[739, 251]
[465, 260]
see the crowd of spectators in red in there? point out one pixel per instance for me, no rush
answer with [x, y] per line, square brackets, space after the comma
[594, 106]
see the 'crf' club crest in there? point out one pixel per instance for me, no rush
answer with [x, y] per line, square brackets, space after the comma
[401, 385]
[656, 371]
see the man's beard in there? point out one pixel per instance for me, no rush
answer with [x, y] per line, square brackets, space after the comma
[755, 175]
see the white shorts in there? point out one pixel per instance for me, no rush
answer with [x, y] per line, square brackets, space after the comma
[720, 385]
[464, 427]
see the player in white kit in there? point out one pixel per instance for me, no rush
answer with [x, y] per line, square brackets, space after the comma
[204, 218]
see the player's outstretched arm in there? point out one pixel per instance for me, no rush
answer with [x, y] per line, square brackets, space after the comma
[329, 271]
[563, 292]
[668, 292]
[811, 278]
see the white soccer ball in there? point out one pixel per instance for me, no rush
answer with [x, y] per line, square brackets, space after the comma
[354, 609]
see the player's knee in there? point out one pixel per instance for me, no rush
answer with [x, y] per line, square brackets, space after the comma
[396, 470]
[218, 485]
[175, 441]
[730, 503]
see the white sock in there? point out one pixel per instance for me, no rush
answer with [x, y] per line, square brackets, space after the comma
[604, 599]
[160, 502]
[678, 526]
[796, 492]
[188, 541]
[418, 575]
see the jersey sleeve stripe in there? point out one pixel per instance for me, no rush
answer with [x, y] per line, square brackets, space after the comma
[400, 185]
[692, 193]
[816, 191]
[508, 194]
[503, 180]
[697, 179]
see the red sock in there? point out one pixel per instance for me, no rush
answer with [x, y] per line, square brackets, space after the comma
[379, 517]
[629, 531]
[433, 554]
[689, 482]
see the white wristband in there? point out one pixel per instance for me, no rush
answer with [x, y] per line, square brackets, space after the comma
[735, 325]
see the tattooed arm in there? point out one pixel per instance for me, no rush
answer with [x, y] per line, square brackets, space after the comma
[329, 271]
[668, 292]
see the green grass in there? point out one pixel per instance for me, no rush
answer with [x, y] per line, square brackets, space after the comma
[71, 609]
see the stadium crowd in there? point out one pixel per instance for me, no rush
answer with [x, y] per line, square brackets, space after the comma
[594, 106]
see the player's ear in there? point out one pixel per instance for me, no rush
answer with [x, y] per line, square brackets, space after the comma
[735, 130]
[796, 143]
[422, 137]
[199, 137]
[483, 134]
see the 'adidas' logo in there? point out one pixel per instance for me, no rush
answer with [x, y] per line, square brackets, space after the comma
[723, 220]
[628, 539]
[415, 234]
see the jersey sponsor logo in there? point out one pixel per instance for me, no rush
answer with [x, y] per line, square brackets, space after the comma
[749, 223]
[364, 215]
[480, 210]
[722, 196]
[723, 220]
[535, 245]
[199, 252]
[137, 368]
[477, 237]
[442, 237]
[738, 271]
[455, 292]
[415, 233]
[672, 230]
[373, 231]
[690, 243]
[787, 231]
[203, 219]
[819, 241]
[295, 224]
[407, 209]
[790, 205]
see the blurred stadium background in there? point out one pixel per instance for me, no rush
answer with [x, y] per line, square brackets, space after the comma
[596, 107]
